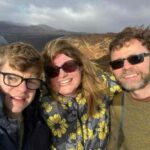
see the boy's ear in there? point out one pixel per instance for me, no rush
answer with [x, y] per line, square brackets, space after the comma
[2, 97]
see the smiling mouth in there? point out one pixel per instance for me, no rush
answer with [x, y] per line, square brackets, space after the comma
[130, 76]
[18, 99]
[65, 82]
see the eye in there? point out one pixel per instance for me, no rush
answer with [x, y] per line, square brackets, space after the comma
[12, 78]
[34, 81]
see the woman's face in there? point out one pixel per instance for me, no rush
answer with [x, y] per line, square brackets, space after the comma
[66, 82]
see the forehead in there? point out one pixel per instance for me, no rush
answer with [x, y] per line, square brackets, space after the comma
[6, 68]
[59, 59]
[129, 48]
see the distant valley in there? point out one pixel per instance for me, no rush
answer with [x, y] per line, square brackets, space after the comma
[95, 45]
[37, 35]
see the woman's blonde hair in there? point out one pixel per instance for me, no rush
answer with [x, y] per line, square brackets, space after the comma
[91, 85]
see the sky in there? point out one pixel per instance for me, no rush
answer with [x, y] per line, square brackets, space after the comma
[93, 16]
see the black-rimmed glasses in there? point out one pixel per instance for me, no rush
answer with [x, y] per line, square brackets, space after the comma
[14, 80]
[133, 60]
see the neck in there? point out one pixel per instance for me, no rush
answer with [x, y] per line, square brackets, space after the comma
[141, 94]
[17, 116]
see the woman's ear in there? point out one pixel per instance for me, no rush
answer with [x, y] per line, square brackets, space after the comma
[110, 69]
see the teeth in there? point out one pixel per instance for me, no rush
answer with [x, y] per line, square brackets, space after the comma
[18, 98]
[64, 82]
[130, 76]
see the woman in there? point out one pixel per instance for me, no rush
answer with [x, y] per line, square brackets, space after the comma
[75, 106]
[21, 127]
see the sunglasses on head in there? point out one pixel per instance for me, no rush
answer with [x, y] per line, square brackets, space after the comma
[69, 66]
[133, 60]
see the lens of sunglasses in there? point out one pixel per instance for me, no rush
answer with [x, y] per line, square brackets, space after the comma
[52, 72]
[116, 64]
[133, 59]
[69, 66]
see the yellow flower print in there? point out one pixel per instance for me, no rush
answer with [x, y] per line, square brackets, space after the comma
[62, 99]
[79, 146]
[88, 133]
[80, 100]
[47, 107]
[57, 125]
[101, 110]
[70, 103]
[100, 113]
[79, 131]
[72, 136]
[84, 118]
[65, 101]
[112, 77]
[101, 104]
[103, 130]
[53, 148]
[64, 106]
[104, 77]
[71, 148]
[115, 88]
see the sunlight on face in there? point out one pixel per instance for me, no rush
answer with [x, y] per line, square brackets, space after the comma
[65, 83]
[16, 98]
[132, 77]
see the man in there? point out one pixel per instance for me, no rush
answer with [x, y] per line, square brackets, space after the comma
[130, 64]
[21, 127]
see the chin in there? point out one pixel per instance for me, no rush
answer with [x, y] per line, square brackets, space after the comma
[16, 111]
[67, 93]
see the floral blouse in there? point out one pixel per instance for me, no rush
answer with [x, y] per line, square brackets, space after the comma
[70, 126]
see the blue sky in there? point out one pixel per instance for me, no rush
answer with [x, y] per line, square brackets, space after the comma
[95, 16]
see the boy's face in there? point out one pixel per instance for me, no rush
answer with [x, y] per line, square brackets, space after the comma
[16, 98]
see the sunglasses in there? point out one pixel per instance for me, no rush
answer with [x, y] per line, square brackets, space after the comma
[69, 66]
[133, 60]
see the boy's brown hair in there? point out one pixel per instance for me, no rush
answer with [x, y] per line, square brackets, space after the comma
[22, 57]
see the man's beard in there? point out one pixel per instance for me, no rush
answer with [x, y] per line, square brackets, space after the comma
[130, 87]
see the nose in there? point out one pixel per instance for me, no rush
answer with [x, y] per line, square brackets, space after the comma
[22, 87]
[127, 65]
[62, 73]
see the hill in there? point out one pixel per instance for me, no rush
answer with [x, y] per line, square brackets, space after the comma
[95, 46]
[2, 40]
[37, 35]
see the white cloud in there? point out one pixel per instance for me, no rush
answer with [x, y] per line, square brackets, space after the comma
[83, 15]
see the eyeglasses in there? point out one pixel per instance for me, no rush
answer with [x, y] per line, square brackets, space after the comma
[133, 60]
[69, 66]
[14, 80]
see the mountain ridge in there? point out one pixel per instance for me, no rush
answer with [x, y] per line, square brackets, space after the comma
[14, 28]
[95, 44]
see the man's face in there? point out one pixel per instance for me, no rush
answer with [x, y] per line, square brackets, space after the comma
[132, 77]
[16, 98]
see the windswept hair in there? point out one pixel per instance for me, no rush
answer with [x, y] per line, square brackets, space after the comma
[22, 57]
[129, 33]
[91, 85]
